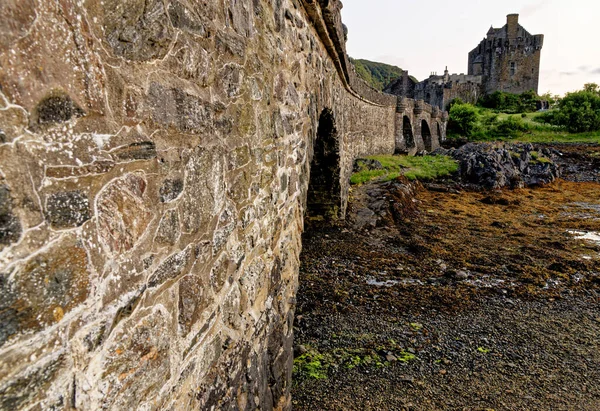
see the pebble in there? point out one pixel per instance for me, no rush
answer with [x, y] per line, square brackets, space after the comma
[461, 275]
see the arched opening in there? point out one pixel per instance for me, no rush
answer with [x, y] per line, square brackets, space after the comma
[407, 133]
[426, 134]
[324, 191]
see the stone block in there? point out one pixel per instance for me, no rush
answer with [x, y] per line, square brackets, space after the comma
[10, 226]
[67, 209]
[170, 189]
[123, 215]
[138, 30]
[44, 288]
[168, 229]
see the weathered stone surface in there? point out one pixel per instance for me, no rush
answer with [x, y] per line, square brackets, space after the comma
[185, 19]
[138, 363]
[204, 189]
[58, 107]
[44, 288]
[154, 163]
[194, 298]
[513, 165]
[122, 213]
[170, 189]
[10, 226]
[18, 392]
[168, 230]
[172, 107]
[172, 267]
[138, 29]
[137, 151]
[67, 209]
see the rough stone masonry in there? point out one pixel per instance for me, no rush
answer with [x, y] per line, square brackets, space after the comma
[155, 160]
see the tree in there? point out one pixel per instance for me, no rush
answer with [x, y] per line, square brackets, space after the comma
[592, 88]
[578, 111]
[463, 119]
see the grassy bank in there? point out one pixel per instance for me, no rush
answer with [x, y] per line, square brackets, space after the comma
[421, 168]
[490, 125]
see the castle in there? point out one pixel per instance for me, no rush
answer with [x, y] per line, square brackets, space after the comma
[507, 59]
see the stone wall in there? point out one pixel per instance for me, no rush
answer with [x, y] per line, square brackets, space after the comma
[154, 167]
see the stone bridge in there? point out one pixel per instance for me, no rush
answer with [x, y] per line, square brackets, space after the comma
[419, 126]
[157, 159]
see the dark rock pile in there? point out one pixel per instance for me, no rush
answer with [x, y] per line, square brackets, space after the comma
[384, 204]
[493, 166]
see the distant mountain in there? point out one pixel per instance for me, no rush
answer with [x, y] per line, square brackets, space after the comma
[378, 75]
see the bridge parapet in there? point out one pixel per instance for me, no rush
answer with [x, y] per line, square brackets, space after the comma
[326, 18]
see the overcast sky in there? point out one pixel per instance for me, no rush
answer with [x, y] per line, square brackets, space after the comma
[425, 36]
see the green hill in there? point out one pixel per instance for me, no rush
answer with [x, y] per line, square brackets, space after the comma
[378, 75]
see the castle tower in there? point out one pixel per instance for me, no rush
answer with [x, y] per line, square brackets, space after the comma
[512, 25]
[508, 58]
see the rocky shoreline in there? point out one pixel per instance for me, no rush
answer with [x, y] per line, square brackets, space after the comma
[446, 295]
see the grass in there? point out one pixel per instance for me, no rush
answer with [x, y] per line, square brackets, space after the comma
[488, 120]
[413, 168]
[311, 365]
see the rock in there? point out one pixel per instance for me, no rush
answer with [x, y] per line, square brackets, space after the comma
[361, 164]
[142, 150]
[168, 230]
[58, 107]
[299, 350]
[46, 287]
[67, 209]
[461, 275]
[10, 226]
[514, 165]
[170, 189]
[172, 267]
[122, 213]
[138, 30]
[364, 218]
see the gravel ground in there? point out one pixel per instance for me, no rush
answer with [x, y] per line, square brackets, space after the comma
[469, 301]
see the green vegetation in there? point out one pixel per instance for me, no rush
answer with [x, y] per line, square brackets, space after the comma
[463, 119]
[377, 75]
[483, 350]
[576, 118]
[405, 356]
[416, 326]
[316, 365]
[422, 168]
[310, 365]
[578, 112]
[510, 103]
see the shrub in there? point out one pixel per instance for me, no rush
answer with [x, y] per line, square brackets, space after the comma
[510, 127]
[463, 119]
[510, 103]
[578, 112]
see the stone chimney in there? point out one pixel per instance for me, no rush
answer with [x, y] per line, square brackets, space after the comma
[512, 23]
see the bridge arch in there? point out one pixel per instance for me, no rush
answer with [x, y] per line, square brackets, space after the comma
[324, 198]
[407, 133]
[426, 135]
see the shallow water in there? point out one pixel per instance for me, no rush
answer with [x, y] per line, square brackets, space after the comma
[586, 235]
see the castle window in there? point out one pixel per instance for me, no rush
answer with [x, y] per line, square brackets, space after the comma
[513, 68]
[520, 39]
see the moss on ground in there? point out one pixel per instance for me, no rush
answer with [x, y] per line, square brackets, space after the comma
[413, 168]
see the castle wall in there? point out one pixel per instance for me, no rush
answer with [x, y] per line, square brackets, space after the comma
[509, 59]
[154, 166]
[467, 92]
